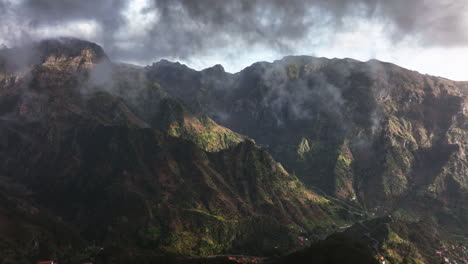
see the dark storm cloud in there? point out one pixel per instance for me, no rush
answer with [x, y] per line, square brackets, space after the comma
[21, 17]
[184, 28]
[54, 12]
[47, 11]
[435, 22]
[187, 27]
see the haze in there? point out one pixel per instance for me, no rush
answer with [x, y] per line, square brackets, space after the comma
[427, 36]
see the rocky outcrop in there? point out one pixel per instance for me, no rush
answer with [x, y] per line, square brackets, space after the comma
[175, 118]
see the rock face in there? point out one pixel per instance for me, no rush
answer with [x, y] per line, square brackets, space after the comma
[94, 154]
[371, 133]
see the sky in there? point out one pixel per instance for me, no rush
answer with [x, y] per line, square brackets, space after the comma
[428, 36]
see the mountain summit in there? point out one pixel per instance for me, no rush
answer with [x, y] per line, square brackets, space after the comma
[65, 53]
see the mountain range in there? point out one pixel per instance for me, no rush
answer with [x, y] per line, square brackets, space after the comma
[302, 159]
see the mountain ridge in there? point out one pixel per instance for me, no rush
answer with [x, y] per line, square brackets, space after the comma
[110, 155]
[163, 159]
[356, 111]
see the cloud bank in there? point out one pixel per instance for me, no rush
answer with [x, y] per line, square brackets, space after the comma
[144, 30]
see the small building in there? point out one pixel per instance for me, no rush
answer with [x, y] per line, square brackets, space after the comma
[46, 262]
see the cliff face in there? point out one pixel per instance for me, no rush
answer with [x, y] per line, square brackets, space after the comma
[104, 153]
[367, 132]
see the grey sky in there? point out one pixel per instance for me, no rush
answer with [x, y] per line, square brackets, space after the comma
[236, 33]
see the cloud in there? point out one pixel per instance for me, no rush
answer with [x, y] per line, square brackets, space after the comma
[185, 27]
[55, 12]
[28, 20]
[435, 23]
[143, 30]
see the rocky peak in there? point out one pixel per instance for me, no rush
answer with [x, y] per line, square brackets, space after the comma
[216, 69]
[60, 54]
[165, 64]
[70, 54]
[70, 47]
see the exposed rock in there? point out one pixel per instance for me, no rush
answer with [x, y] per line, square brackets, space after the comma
[303, 148]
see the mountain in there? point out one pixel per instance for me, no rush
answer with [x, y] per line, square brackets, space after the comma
[309, 159]
[369, 133]
[97, 159]
[381, 240]
[380, 137]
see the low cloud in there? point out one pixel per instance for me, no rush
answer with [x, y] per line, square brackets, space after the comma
[182, 29]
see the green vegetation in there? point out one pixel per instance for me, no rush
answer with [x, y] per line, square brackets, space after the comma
[293, 71]
[201, 130]
[130, 167]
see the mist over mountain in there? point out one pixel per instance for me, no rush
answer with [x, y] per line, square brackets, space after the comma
[239, 33]
[298, 160]
[303, 107]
